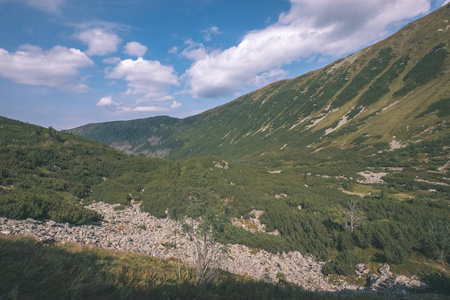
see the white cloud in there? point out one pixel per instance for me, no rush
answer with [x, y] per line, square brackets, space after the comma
[56, 68]
[194, 51]
[268, 77]
[173, 50]
[144, 76]
[175, 104]
[147, 78]
[99, 41]
[210, 31]
[445, 2]
[48, 6]
[106, 101]
[135, 49]
[323, 27]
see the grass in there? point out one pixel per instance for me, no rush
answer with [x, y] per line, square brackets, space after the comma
[71, 271]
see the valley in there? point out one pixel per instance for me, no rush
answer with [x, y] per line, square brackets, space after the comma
[336, 181]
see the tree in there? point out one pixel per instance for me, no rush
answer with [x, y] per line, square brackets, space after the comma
[209, 220]
[349, 217]
[354, 215]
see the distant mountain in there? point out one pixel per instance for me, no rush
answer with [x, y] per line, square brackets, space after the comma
[393, 93]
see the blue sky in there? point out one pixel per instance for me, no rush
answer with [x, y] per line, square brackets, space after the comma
[66, 63]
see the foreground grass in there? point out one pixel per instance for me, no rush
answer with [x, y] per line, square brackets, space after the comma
[70, 271]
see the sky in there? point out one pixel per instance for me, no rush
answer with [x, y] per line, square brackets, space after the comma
[67, 63]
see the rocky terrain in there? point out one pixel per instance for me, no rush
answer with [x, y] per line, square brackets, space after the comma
[129, 229]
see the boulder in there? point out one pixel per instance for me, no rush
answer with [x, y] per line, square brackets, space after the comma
[385, 270]
[50, 223]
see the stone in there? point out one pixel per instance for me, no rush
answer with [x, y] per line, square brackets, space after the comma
[385, 270]
[360, 267]
[50, 223]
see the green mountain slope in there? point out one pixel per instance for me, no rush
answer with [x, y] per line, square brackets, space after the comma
[46, 174]
[396, 91]
[49, 175]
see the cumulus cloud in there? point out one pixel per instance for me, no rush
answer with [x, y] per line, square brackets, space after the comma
[321, 27]
[147, 79]
[107, 101]
[207, 33]
[135, 49]
[100, 42]
[56, 68]
[144, 76]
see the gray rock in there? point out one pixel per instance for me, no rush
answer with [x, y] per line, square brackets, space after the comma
[360, 267]
[50, 223]
[385, 270]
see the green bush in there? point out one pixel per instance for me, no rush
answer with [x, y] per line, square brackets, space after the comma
[396, 254]
[437, 281]
[344, 264]
[42, 205]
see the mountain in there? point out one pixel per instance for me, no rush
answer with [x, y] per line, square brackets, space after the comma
[393, 93]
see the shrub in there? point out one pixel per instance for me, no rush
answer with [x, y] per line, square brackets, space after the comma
[438, 281]
[344, 264]
[41, 205]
